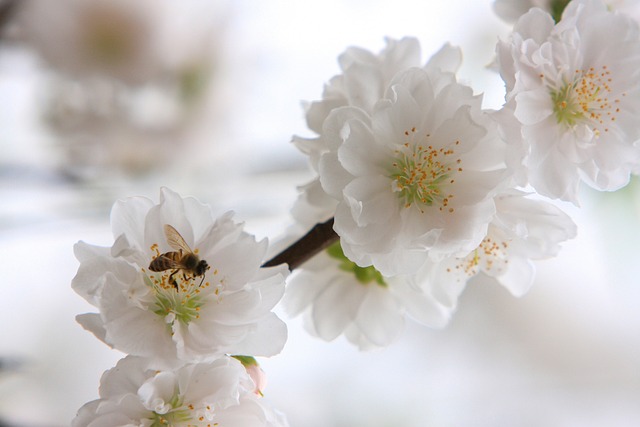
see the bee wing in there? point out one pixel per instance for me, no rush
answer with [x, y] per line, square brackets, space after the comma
[175, 240]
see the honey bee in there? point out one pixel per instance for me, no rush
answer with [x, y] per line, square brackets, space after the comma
[182, 259]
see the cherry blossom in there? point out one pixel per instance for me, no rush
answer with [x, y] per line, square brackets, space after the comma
[197, 314]
[139, 392]
[576, 96]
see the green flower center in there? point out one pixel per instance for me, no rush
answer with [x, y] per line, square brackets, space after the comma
[421, 174]
[183, 307]
[179, 294]
[364, 275]
[586, 99]
[175, 417]
[180, 415]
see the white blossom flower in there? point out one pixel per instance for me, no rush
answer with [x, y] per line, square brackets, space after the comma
[336, 297]
[416, 176]
[138, 392]
[363, 82]
[576, 95]
[193, 314]
[523, 230]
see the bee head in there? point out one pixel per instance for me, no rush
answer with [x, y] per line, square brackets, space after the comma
[201, 268]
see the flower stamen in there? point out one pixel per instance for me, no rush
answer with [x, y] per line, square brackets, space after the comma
[420, 173]
[490, 255]
[585, 100]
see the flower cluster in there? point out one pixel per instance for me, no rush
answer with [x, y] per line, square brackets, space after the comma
[179, 292]
[427, 189]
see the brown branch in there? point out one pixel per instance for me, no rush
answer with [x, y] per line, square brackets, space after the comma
[316, 240]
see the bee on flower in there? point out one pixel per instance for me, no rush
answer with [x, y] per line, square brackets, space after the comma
[222, 305]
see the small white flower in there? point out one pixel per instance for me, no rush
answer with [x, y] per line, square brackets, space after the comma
[336, 297]
[193, 315]
[523, 230]
[139, 392]
[576, 94]
[415, 176]
[364, 80]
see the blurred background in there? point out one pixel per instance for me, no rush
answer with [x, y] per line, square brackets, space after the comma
[103, 99]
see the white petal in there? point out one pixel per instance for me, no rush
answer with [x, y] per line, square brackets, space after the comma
[333, 176]
[421, 306]
[336, 307]
[305, 285]
[518, 277]
[361, 155]
[365, 84]
[266, 339]
[448, 58]
[216, 382]
[371, 200]
[392, 119]
[128, 218]
[157, 392]
[93, 323]
[533, 106]
[556, 178]
[535, 24]
[380, 317]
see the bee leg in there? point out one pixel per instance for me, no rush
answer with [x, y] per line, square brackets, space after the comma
[201, 281]
[173, 281]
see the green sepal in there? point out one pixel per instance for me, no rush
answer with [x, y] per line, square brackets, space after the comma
[557, 7]
[246, 360]
[364, 275]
